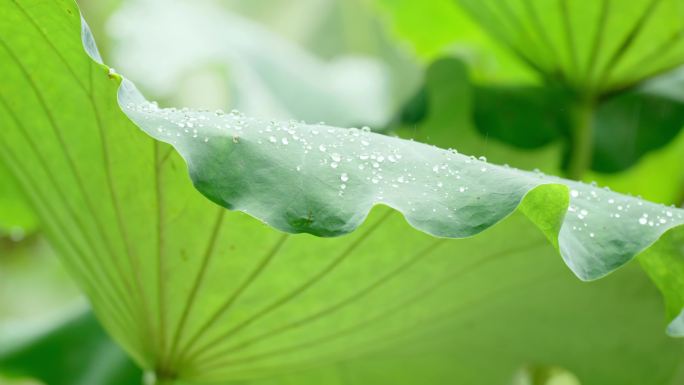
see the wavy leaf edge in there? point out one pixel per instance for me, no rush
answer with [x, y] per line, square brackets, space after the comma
[555, 225]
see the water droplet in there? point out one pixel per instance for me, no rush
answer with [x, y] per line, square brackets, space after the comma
[284, 140]
[344, 177]
[643, 220]
[272, 139]
[335, 157]
[574, 193]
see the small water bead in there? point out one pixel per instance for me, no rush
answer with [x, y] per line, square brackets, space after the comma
[333, 164]
[574, 193]
[592, 235]
[284, 141]
[344, 177]
[321, 148]
[335, 157]
[272, 139]
[643, 220]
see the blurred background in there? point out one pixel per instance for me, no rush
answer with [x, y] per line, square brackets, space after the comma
[438, 71]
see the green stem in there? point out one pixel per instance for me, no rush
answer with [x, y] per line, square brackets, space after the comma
[157, 378]
[582, 136]
[680, 201]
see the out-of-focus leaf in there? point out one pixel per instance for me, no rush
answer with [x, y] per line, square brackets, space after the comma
[626, 126]
[198, 293]
[631, 124]
[444, 116]
[658, 176]
[592, 46]
[265, 74]
[440, 27]
[526, 117]
[77, 352]
[34, 288]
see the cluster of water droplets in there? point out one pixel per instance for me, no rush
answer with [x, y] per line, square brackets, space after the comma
[403, 174]
[593, 210]
[358, 157]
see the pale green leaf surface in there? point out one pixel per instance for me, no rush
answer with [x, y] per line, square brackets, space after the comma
[196, 292]
[245, 65]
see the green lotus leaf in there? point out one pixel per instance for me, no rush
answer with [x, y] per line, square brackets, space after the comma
[198, 293]
[595, 47]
